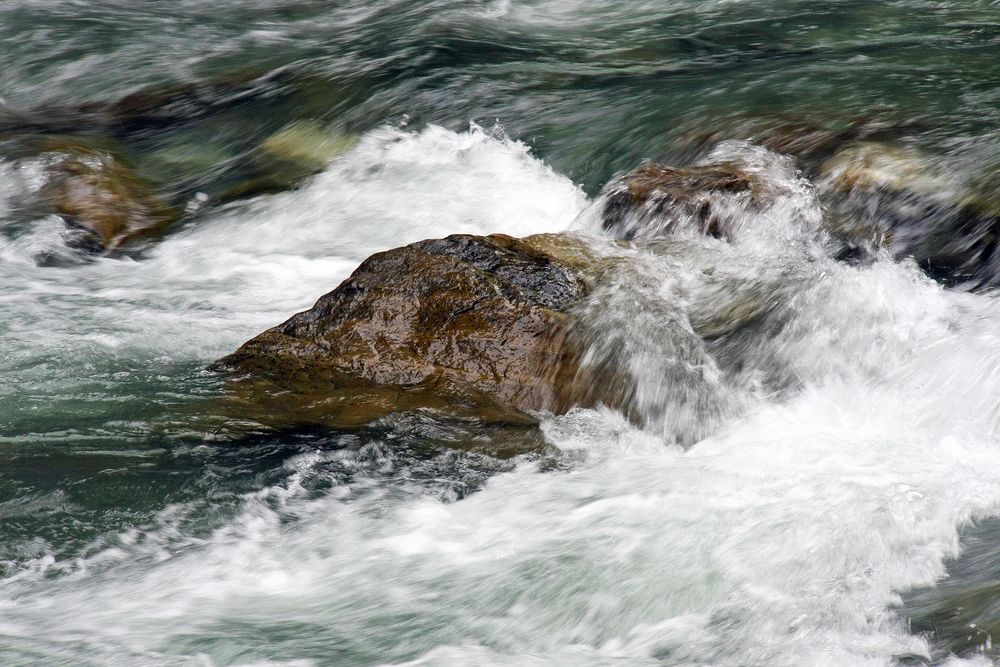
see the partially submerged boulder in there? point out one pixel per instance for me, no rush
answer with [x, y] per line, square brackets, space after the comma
[99, 195]
[896, 198]
[465, 326]
[655, 199]
[491, 330]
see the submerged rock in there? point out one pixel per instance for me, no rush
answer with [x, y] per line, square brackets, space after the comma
[99, 195]
[465, 326]
[151, 107]
[810, 139]
[285, 159]
[310, 145]
[896, 198]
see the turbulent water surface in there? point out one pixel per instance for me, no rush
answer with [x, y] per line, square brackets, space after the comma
[800, 492]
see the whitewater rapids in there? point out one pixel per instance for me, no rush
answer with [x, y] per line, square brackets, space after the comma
[849, 450]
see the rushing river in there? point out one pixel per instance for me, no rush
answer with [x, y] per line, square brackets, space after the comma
[832, 501]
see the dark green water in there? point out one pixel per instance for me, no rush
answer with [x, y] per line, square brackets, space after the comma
[135, 529]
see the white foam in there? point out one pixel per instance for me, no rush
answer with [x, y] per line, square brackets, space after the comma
[781, 539]
[204, 290]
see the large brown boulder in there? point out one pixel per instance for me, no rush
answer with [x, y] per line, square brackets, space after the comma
[465, 326]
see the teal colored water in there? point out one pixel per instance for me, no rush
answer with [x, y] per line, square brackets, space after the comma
[858, 447]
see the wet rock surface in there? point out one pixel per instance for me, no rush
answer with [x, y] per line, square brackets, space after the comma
[656, 199]
[101, 198]
[465, 326]
[227, 137]
[884, 196]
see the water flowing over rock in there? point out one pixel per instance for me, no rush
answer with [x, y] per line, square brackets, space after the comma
[896, 198]
[655, 199]
[466, 326]
[736, 187]
[810, 138]
[100, 196]
[772, 422]
[496, 328]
